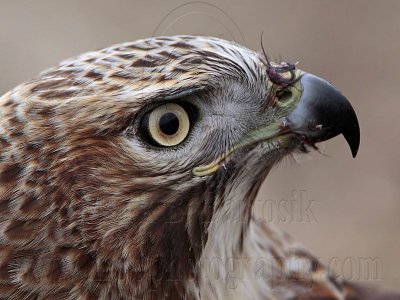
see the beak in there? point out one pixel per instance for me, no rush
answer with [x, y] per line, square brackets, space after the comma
[323, 113]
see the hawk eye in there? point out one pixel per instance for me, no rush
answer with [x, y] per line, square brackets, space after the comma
[167, 125]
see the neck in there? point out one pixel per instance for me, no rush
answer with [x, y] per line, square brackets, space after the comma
[229, 238]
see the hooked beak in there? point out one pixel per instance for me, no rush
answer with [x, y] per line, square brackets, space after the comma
[323, 113]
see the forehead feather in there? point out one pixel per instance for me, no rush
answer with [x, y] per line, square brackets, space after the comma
[165, 63]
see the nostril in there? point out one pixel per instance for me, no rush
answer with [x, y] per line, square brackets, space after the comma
[284, 96]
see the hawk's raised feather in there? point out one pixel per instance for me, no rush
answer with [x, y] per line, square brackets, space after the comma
[130, 172]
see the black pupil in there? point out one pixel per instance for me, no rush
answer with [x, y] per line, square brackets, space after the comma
[169, 123]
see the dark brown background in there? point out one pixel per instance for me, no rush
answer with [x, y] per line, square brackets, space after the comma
[354, 44]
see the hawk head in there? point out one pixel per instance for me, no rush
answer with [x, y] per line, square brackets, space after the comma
[121, 168]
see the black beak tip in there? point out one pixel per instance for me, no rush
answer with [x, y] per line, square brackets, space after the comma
[347, 123]
[352, 137]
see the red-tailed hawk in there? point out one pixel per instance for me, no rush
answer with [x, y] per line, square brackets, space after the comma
[130, 173]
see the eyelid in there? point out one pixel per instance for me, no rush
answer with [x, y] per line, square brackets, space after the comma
[185, 93]
[180, 94]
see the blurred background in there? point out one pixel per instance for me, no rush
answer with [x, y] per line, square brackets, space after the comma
[345, 210]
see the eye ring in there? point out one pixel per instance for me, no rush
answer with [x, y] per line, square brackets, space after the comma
[167, 125]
